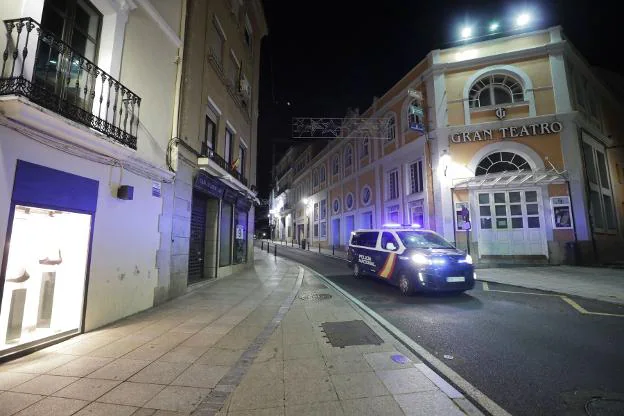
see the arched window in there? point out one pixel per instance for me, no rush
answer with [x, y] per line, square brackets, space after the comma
[336, 165]
[415, 115]
[348, 156]
[315, 177]
[391, 128]
[364, 147]
[501, 162]
[322, 174]
[496, 89]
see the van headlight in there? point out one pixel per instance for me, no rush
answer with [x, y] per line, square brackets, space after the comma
[467, 260]
[421, 259]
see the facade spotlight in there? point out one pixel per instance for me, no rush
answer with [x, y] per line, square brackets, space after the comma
[305, 201]
[494, 26]
[523, 20]
[466, 32]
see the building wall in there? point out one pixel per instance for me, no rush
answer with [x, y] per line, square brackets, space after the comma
[119, 285]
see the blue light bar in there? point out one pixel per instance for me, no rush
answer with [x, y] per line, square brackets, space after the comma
[391, 225]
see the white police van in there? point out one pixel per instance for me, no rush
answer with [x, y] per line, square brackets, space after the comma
[413, 259]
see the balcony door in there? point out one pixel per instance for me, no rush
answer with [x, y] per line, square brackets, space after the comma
[76, 23]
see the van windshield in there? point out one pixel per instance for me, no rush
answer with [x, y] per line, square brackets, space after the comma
[422, 239]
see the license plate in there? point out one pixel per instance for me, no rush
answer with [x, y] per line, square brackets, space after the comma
[454, 279]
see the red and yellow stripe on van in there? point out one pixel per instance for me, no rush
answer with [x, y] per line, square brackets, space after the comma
[388, 267]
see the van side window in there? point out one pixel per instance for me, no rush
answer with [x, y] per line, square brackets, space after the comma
[388, 238]
[368, 239]
[355, 239]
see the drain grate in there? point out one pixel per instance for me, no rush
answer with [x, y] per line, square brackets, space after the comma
[346, 333]
[315, 297]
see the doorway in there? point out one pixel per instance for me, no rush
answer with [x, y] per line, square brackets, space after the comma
[336, 232]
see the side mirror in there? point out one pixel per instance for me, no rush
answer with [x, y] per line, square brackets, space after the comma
[390, 246]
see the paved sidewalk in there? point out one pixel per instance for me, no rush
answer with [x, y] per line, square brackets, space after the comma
[600, 283]
[249, 344]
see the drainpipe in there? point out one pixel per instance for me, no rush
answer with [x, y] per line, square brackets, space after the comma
[177, 99]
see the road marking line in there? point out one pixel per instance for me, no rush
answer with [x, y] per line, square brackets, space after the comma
[475, 394]
[584, 311]
[486, 286]
[523, 293]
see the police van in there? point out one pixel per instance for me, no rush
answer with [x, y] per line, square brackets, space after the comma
[411, 258]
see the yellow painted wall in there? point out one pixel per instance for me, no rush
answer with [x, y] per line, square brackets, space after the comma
[494, 47]
[349, 186]
[367, 178]
[547, 145]
[537, 69]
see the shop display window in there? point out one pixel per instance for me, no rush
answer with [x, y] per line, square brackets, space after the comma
[45, 275]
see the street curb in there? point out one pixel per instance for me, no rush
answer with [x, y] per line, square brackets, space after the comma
[476, 397]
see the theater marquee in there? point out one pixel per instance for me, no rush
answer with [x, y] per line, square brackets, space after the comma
[538, 129]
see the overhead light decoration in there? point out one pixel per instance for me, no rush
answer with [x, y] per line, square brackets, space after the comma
[494, 26]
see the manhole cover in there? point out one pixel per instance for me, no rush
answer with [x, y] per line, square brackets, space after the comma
[316, 297]
[343, 334]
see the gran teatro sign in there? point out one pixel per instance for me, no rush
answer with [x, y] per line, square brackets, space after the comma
[512, 132]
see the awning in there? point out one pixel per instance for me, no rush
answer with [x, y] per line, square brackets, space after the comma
[512, 179]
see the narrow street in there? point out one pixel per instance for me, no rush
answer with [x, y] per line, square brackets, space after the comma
[529, 351]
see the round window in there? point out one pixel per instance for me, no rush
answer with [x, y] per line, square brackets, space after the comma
[349, 201]
[336, 205]
[366, 195]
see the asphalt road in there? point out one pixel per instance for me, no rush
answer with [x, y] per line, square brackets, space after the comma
[533, 354]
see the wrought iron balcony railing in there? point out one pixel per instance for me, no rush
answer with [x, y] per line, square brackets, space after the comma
[214, 156]
[60, 79]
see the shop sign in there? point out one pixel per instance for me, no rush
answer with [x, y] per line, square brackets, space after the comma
[208, 184]
[537, 129]
[156, 187]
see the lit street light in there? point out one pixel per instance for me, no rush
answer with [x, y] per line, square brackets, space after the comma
[466, 32]
[523, 20]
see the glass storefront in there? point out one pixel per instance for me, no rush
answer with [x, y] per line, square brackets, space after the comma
[44, 280]
[225, 241]
[240, 234]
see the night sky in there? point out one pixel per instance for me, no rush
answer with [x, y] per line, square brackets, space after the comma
[325, 56]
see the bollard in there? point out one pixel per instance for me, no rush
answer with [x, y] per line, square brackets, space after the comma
[275, 250]
[268, 248]
[308, 245]
[262, 245]
[333, 253]
[319, 247]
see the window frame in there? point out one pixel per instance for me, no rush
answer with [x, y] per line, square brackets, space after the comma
[393, 186]
[416, 179]
[348, 156]
[598, 187]
[391, 129]
[221, 33]
[227, 146]
[475, 94]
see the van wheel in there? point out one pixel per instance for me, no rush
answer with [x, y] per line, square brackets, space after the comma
[356, 271]
[405, 285]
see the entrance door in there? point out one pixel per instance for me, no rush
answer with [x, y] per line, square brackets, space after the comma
[197, 239]
[349, 227]
[336, 231]
[511, 223]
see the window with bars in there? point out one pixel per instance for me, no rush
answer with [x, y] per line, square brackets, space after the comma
[417, 212]
[601, 205]
[393, 184]
[496, 89]
[416, 177]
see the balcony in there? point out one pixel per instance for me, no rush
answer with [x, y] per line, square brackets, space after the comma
[215, 157]
[60, 79]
